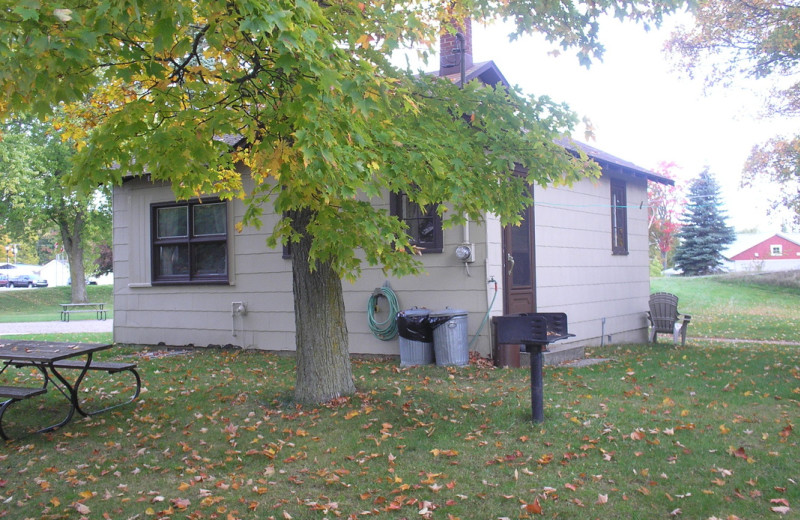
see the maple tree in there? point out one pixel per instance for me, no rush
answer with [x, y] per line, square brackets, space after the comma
[664, 205]
[328, 124]
[34, 162]
[754, 39]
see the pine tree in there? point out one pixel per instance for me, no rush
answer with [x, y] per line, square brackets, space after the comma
[704, 233]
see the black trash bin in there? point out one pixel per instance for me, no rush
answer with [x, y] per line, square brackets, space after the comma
[416, 337]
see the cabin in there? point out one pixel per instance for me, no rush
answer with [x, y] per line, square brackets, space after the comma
[582, 250]
[764, 252]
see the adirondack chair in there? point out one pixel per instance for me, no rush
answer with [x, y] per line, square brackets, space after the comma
[664, 317]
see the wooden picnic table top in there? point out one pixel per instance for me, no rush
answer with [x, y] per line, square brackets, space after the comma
[47, 351]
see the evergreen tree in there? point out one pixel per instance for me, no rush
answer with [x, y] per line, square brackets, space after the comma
[704, 233]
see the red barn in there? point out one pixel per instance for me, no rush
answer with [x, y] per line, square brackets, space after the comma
[765, 252]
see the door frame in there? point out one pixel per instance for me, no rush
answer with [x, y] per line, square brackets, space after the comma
[518, 299]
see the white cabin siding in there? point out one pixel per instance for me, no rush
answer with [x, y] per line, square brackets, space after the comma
[604, 295]
[201, 314]
[576, 271]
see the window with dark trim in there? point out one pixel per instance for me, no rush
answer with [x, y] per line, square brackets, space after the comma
[619, 218]
[189, 242]
[424, 224]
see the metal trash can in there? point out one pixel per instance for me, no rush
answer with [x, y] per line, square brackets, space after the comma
[416, 337]
[450, 344]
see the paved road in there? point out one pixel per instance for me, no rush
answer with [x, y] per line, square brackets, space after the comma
[56, 327]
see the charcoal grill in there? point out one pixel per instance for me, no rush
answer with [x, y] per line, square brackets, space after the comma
[534, 331]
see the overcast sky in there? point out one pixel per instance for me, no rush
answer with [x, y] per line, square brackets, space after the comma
[643, 111]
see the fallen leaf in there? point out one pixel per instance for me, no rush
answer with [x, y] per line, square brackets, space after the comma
[533, 508]
[181, 503]
[739, 453]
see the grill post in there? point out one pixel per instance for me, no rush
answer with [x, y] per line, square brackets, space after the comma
[536, 331]
[537, 383]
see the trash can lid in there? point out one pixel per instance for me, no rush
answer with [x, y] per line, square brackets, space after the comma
[449, 312]
[415, 312]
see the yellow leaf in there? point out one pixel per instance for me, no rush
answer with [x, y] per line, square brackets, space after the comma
[55, 501]
[724, 430]
[364, 40]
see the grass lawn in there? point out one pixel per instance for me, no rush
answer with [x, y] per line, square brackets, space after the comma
[42, 304]
[736, 307]
[654, 432]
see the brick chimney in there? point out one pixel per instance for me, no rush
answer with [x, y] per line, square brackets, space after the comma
[450, 48]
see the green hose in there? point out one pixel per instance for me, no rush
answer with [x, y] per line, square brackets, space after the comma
[485, 318]
[384, 330]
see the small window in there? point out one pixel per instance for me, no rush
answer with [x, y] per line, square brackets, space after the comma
[424, 224]
[619, 218]
[776, 250]
[190, 242]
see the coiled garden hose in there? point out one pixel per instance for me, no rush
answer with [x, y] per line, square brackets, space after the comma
[384, 330]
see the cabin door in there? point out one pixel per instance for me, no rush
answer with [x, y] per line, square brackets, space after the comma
[519, 266]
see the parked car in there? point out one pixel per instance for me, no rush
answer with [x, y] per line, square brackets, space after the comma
[89, 281]
[27, 280]
[3, 280]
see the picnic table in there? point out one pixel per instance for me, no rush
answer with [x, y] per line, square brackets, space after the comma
[54, 360]
[72, 308]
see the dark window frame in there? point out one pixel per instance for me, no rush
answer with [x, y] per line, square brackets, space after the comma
[192, 241]
[619, 217]
[436, 244]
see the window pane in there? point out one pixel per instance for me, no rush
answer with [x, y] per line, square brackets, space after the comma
[173, 260]
[521, 251]
[411, 210]
[209, 219]
[426, 229]
[619, 218]
[423, 223]
[209, 258]
[172, 222]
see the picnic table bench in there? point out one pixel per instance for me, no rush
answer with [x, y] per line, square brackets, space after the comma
[71, 308]
[50, 358]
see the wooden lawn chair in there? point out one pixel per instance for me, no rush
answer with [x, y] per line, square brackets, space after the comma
[664, 317]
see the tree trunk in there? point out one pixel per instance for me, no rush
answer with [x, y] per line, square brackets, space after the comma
[323, 357]
[73, 246]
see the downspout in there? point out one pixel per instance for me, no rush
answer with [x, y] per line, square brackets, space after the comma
[462, 51]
